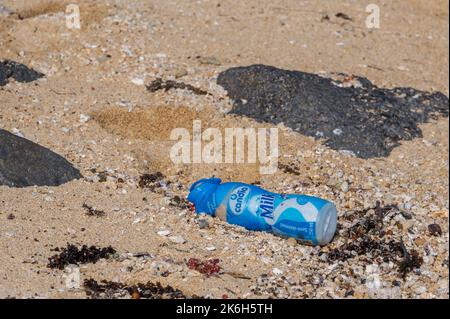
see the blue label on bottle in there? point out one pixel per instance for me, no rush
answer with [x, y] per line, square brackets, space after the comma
[267, 206]
[238, 200]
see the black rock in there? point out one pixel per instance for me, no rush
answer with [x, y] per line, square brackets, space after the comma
[362, 118]
[24, 163]
[17, 71]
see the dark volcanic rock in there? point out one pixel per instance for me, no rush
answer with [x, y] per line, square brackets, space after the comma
[351, 114]
[17, 71]
[24, 163]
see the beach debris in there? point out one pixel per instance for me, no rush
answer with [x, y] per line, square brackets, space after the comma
[406, 215]
[343, 16]
[179, 72]
[366, 246]
[73, 255]
[4, 11]
[371, 120]
[180, 202]
[84, 118]
[203, 221]
[208, 60]
[148, 290]
[369, 241]
[90, 211]
[237, 275]
[344, 186]
[435, 229]
[411, 260]
[158, 183]
[98, 177]
[138, 81]
[164, 233]
[277, 271]
[289, 168]
[17, 71]
[275, 286]
[24, 163]
[325, 17]
[152, 181]
[177, 239]
[208, 267]
[160, 84]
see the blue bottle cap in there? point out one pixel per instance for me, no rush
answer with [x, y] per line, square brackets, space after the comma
[200, 192]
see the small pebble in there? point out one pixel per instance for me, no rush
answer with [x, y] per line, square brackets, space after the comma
[209, 60]
[84, 118]
[277, 271]
[177, 239]
[203, 223]
[291, 241]
[435, 229]
[421, 290]
[180, 72]
[164, 233]
[344, 187]
[406, 215]
[137, 81]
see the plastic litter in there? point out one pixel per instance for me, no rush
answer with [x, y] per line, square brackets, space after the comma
[306, 218]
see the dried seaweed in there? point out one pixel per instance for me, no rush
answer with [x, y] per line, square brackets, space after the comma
[410, 260]
[90, 211]
[152, 181]
[73, 255]
[160, 84]
[344, 16]
[180, 202]
[149, 290]
[366, 240]
[208, 267]
[157, 183]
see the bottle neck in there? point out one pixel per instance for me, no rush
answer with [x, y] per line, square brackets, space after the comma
[201, 192]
